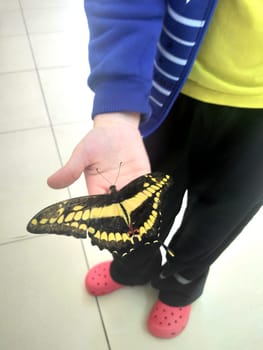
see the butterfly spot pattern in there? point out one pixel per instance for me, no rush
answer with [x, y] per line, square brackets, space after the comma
[118, 221]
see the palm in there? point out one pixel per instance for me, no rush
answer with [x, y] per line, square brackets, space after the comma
[99, 156]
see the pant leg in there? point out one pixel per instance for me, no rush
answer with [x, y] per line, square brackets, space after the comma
[144, 263]
[225, 190]
[225, 187]
[165, 147]
[174, 293]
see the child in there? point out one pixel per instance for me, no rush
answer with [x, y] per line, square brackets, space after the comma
[206, 131]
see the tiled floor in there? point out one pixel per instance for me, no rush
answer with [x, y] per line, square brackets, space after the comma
[44, 110]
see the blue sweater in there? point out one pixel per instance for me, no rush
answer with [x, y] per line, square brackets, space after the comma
[141, 52]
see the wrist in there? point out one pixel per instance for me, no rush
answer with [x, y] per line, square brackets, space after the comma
[131, 119]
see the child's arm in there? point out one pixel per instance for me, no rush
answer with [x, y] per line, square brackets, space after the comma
[122, 47]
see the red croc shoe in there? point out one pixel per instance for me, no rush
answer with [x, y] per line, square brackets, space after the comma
[167, 321]
[98, 280]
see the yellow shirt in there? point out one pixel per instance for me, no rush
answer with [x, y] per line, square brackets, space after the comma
[229, 67]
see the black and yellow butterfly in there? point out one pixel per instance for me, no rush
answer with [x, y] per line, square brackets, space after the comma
[119, 221]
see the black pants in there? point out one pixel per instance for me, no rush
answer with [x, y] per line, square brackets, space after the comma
[215, 153]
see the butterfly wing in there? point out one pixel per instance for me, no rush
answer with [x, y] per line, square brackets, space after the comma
[69, 217]
[143, 202]
[118, 221]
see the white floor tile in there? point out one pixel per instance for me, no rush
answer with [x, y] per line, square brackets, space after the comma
[28, 158]
[56, 19]
[51, 50]
[68, 96]
[7, 5]
[36, 4]
[11, 23]
[44, 304]
[47, 20]
[21, 103]
[59, 50]
[15, 54]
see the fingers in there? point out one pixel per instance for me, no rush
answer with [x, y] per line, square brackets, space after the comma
[69, 173]
[63, 177]
[103, 148]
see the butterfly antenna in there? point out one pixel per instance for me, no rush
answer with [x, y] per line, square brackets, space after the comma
[101, 174]
[114, 183]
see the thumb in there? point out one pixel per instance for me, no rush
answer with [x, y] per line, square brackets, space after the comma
[69, 173]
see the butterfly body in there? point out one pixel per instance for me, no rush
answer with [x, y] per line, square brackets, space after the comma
[118, 221]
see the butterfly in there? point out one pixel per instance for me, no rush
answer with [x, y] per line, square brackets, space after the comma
[118, 221]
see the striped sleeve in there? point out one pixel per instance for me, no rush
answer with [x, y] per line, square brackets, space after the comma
[184, 27]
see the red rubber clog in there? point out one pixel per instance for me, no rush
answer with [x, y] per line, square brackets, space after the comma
[167, 321]
[98, 280]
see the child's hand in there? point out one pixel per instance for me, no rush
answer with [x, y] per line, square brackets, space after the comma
[114, 146]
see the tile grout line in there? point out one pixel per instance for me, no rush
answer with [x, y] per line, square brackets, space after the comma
[97, 301]
[59, 155]
[41, 86]
[33, 70]
[20, 239]
[17, 72]
[61, 124]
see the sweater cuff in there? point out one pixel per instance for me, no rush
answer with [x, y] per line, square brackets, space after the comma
[121, 97]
